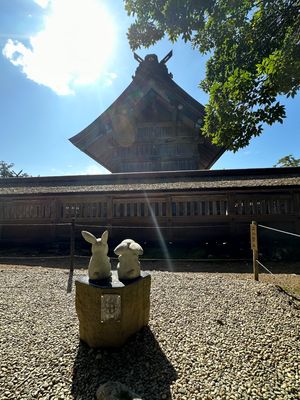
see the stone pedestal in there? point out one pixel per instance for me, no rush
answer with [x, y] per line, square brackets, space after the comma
[111, 311]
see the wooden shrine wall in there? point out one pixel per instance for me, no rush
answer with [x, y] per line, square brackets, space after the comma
[179, 216]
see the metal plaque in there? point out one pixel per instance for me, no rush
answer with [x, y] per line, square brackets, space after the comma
[110, 307]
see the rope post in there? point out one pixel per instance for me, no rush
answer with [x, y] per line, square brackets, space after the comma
[72, 245]
[254, 247]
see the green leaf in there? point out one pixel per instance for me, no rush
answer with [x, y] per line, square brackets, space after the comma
[254, 57]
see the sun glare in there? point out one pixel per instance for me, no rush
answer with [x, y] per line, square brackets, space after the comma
[74, 48]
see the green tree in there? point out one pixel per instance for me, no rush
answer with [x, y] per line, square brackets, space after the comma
[288, 161]
[6, 171]
[254, 49]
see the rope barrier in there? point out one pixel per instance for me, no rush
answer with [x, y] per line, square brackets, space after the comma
[120, 226]
[58, 224]
[78, 256]
[148, 227]
[34, 257]
[254, 246]
[262, 265]
[208, 260]
[279, 230]
[90, 226]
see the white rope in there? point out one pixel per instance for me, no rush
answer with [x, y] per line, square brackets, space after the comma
[33, 257]
[58, 224]
[262, 265]
[148, 227]
[278, 230]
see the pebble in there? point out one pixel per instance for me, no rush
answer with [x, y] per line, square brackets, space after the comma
[209, 338]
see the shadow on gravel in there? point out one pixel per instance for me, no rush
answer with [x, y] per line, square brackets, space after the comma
[140, 364]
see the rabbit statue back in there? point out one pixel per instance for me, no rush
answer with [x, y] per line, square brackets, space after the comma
[99, 265]
[128, 266]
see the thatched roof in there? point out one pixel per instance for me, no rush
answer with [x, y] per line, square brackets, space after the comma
[178, 181]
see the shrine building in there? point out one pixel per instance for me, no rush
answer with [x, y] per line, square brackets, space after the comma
[154, 125]
[160, 187]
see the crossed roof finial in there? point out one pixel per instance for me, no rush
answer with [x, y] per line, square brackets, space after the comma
[163, 61]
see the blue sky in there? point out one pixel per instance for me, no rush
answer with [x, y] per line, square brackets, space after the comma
[63, 62]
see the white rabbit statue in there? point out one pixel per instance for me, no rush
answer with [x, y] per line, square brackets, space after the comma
[99, 265]
[129, 266]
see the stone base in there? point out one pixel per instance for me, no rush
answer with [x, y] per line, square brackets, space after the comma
[109, 312]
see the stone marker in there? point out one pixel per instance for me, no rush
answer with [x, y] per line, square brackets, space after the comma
[110, 311]
[112, 306]
[115, 391]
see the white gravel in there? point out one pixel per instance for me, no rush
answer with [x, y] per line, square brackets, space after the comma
[209, 338]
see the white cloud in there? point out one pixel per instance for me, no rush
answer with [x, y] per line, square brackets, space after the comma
[94, 170]
[91, 169]
[109, 78]
[42, 3]
[72, 49]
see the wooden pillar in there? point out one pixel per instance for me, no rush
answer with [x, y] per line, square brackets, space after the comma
[72, 244]
[169, 232]
[254, 247]
[72, 253]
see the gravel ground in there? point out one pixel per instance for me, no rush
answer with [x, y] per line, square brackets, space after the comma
[209, 337]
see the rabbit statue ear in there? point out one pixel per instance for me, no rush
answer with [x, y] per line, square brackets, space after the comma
[119, 249]
[104, 237]
[136, 247]
[89, 237]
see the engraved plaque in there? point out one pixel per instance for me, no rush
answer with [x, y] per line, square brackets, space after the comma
[110, 307]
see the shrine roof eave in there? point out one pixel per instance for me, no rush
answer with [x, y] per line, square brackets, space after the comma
[98, 124]
[175, 181]
[217, 155]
